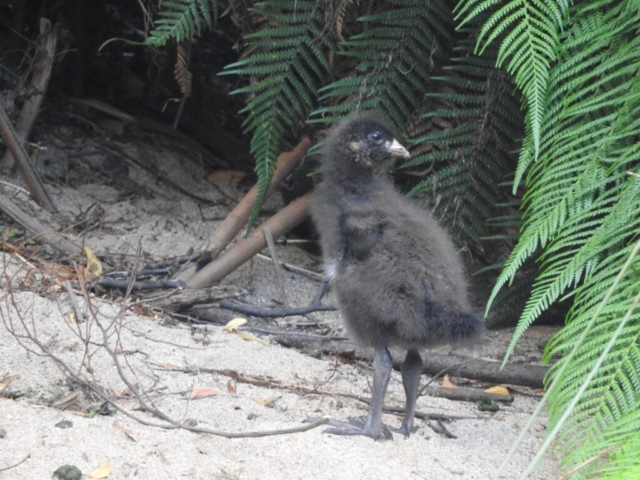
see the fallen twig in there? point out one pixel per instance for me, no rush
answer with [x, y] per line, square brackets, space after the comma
[29, 173]
[283, 221]
[54, 239]
[275, 312]
[589, 460]
[155, 173]
[238, 217]
[138, 284]
[276, 265]
[442, 429]
[14, 466]
[486, 370]
[295, 269]
[322, 338]
[466, 394]
[181, 300]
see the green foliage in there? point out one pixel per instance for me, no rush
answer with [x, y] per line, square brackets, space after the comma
[584, 424]
[180, 19]
[469, 146]
[288, 63]
[391, 59]
[582, 211]
[607, 414]
[529, 31]
[581, 203]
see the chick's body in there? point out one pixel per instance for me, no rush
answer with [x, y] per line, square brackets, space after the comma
[394, 270]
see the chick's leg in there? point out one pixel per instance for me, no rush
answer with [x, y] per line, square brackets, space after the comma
[411, 371]
[373, 427]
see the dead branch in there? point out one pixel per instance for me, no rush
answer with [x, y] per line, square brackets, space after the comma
[42, 66]
[55, 240]
[283, 221]
[441, 429]
[234, 222]
[182, 300]
[466, 394]
[271, 383]
[160, 177]
[104, 108]
[474, 369]
[138, 284]
[314, 306]
[486, 370]
[276, 312]
[29, 173]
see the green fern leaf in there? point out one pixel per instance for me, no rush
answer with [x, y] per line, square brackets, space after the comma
[182, 19]
[287, 63]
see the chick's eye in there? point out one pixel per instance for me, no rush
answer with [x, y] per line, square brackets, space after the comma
[376, 136]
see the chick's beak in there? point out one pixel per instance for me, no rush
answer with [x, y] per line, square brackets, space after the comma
[397, 150]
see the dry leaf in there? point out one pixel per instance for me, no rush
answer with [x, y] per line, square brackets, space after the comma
[234, 324]
[144, 311]
[67, 401]
[94, 267]
[7, 380]
[447, 383]
[125, 430]
[230, 388]
[63, 272]
[204, 392]
[102, 472]
[267, 401]
[498, 390]
[116, 393]
[226, 176]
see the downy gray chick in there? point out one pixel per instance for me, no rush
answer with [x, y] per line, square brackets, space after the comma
[395, 272]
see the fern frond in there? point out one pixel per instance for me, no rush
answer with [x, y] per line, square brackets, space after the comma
[287, 66]
[182, 19]
[613, 391]
[530, 36]
[393, 61]
[582, 210]
[579, 183]
[470, 154]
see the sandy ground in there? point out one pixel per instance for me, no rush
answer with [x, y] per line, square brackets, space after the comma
[149, 351]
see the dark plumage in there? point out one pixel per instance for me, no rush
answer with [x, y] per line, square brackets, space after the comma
[395, 271]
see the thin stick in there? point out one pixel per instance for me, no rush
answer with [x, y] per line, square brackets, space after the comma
[587, 462]
[277, 312]
[276, 265]
[234, 222]
[29, 173]
[14, 466]
[283, 221]
[296, 269]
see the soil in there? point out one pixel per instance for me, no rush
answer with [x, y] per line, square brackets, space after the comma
[201, 374]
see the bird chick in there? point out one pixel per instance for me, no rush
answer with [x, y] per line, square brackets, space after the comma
[395, 272]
